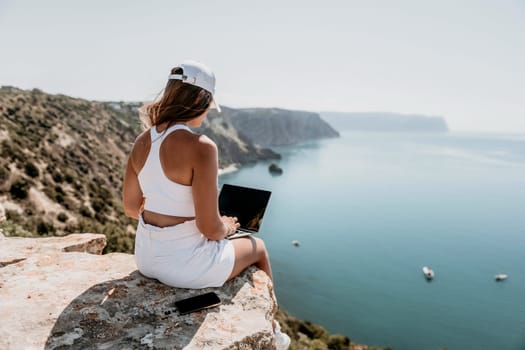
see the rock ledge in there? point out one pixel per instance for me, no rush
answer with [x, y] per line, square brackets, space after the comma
[56, 295]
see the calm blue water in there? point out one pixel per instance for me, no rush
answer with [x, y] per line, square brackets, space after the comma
[371, 209]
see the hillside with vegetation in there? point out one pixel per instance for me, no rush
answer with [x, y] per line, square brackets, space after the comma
[62, 163]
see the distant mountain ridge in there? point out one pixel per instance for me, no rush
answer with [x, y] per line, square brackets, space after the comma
[385, 122]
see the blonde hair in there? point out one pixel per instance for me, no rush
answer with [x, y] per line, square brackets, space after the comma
[180, 102]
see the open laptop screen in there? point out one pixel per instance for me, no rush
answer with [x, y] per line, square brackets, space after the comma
[247, 204]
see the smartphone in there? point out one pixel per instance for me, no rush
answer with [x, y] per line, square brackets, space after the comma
[198, 302]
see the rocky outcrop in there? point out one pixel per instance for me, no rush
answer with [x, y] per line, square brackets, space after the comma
[277, 127]
[54, 295]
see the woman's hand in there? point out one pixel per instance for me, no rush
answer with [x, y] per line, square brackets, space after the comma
[231, 224]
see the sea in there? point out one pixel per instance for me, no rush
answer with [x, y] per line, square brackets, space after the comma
[371, 209]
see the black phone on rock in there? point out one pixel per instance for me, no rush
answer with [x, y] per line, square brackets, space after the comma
[198, 302]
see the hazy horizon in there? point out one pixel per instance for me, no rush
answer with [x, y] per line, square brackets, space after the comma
[461, 61]
[319, 112]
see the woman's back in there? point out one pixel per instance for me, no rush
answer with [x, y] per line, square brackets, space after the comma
[163, 194]
[163, 158]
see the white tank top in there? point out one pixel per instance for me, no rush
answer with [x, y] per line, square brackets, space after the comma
[162, 195]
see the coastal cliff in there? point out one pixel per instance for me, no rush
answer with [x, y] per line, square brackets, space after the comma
[59, 292]
[268, 127]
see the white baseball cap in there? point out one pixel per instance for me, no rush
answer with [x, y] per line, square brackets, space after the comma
[196, 73]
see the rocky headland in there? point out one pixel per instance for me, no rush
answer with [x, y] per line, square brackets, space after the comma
[268, 127]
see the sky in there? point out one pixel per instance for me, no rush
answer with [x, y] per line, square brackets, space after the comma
[460, 59]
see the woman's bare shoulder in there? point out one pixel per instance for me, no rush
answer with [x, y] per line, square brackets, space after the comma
[140, 150]
[142, 140]
[203, 148]
[205, 141]
[191, 140]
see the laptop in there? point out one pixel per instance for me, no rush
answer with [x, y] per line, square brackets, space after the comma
[245, 203]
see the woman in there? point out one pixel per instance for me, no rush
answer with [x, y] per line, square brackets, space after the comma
[170, 186]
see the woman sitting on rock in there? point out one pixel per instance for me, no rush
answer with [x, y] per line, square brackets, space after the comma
[170, 186]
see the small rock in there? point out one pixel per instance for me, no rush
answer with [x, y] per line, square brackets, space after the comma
[275, 169]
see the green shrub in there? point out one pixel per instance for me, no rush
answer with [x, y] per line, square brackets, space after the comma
[59, 189]
[98, 205]
[118, 240]
[84, 211]
[338, 342]
[4, 175]
[6, 149]
[13, 215]
[318, 344]
[59, 198]
[10, 229]
[69, 176]
[31, 169]
[19, 189]
[100, 216]
[57, 177]
[62, 217]
[79, 187]
[313, 331]
[44, 228]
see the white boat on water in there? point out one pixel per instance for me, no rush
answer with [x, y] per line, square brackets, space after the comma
[296, 243]
[428, 272]
[501, 277]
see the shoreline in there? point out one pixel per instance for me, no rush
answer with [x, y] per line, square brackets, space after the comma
[229, 169]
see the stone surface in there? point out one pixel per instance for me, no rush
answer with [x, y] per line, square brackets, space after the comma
[55, 298]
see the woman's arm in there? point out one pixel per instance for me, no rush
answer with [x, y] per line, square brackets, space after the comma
[132, 196]
[205, 196]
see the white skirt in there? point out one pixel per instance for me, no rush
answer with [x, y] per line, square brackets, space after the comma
[180, 256]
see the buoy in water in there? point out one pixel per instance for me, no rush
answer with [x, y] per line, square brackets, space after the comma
[428, 272]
